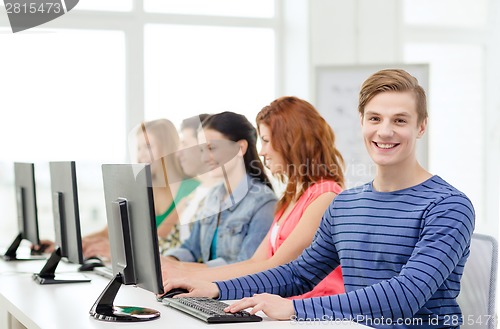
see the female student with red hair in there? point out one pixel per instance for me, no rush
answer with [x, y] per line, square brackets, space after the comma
[298, 147]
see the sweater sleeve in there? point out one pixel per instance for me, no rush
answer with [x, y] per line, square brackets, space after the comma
[294, 278]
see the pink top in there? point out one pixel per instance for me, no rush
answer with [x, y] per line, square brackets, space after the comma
[333, 284]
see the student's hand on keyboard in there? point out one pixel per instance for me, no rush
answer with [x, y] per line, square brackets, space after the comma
[273, 306]
[196, 288]
[96, 247]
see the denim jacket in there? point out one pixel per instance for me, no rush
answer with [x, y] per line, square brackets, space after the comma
[244, 222]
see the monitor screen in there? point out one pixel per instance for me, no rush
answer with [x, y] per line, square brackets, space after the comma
[66, 225]
[65, 210]
[133, 239]
[27, 216]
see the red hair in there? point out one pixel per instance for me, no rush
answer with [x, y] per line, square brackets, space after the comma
[304, 139]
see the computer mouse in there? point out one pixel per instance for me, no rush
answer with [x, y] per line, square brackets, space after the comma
[41, 248]
[173, 292]
[90, 263]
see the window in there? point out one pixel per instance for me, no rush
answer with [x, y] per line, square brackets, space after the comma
[64, 99]
[73, 92]
[198, 69]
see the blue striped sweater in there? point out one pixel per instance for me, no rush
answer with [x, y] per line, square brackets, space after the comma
[402, 255]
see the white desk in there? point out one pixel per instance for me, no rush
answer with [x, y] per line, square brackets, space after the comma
[63, 306]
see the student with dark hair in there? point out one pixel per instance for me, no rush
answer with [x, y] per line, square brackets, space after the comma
[239, 211]
[313, 175]
[402, 240]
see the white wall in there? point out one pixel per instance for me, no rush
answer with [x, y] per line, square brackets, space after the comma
[373, 32]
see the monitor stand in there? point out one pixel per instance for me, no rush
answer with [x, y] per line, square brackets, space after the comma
[104, 310]
[48, 276]
[11, 253]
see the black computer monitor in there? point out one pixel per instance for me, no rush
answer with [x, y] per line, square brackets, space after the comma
[27, 215]
[68, 239]
[133, 240]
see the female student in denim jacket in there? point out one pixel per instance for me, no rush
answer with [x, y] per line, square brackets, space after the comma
[313, 175]
[239, 210]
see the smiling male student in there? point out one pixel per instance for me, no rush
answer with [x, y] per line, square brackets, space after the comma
[402, 239]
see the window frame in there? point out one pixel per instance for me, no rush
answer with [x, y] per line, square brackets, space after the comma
[132, 24]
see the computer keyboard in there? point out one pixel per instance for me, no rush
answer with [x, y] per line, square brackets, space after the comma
[209, 310]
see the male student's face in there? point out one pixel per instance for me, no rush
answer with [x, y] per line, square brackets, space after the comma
[390, 128]
[189, 153]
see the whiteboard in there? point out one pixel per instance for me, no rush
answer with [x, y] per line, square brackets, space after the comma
[337, 89]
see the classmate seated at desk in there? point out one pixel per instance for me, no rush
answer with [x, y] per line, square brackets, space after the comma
[239, 211]
[313, 175]
[402, 239]
[157, 142]
[189, 157]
